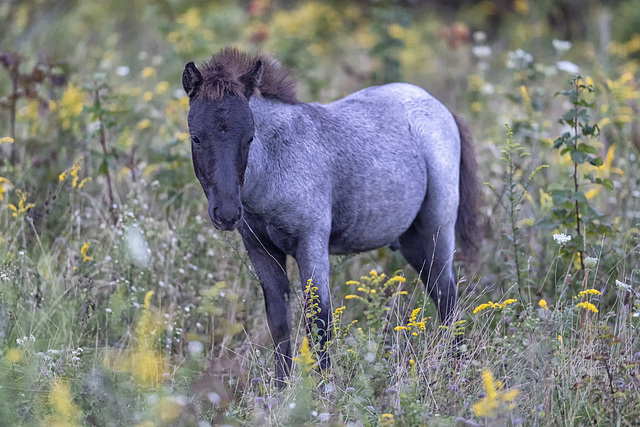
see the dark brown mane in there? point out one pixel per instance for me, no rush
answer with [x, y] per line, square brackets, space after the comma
[220, 76]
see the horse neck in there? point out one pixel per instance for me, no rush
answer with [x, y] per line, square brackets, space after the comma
[272, 121]
[270, 115]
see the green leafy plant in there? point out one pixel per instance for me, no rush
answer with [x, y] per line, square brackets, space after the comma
[571, 208]
[511, 198]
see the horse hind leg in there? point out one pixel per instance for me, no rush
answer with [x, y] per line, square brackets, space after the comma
[429, 250]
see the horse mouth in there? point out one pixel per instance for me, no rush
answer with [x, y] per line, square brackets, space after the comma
[225, 226]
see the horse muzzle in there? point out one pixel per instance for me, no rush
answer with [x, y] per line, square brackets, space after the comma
[225, 219]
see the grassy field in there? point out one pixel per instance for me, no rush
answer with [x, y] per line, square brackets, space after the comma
[121, 305]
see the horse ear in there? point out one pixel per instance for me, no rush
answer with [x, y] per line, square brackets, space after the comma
[251, 79]
[191, 79]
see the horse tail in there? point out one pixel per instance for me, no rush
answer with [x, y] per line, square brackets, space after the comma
[467, 223]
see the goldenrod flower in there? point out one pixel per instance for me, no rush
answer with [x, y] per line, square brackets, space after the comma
[494, 305]
[543, 304]
[75, 169]
[305, 359]
[5, 185]
[71, 105]
[191, 18]
[13, 355]
[506, 303]
[387, 420]
[144, 124]
[589, 292]
[83, 182]
[483, 307]
[162, 87]
[587, 306]
[494, 398]
[66, 411]
[148, 72]
[83, 251]
[22, 207]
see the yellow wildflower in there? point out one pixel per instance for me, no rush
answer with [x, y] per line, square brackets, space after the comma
[560, 339]
[83, 251]
[305, 359]
[191, 18]
[162, 87]
[414, 314]
[66, 411]
[143, 124]
[148, 72]
[352, 282]
[6, 139]
[494, 398]
[398, 279]
[147, 96]
[373, 273]
[147, 299]
[22, 207]
[75, 169]
[13, 355]
[71, 105]
[5, 185]
[506, 303]
[589, 292]
[483, 307]
[83, 182]
[587, 306]
[387, 420]
[543, 304]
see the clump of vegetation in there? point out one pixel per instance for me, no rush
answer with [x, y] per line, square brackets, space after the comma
[119, 303]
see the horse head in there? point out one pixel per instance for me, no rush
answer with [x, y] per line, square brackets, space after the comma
[222, 129]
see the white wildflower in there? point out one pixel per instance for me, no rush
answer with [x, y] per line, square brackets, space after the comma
[590, 261]
[122, 70]
[561, 238]
[623, 286]
[568, 66]
[479, 37]
[481, 51]
[561, 45]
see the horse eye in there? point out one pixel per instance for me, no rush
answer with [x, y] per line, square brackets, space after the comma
[195, 140]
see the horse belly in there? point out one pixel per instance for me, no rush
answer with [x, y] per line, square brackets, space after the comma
[378, 212]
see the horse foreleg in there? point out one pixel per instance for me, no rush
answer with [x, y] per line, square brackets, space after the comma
[270, 266]
[313, 263]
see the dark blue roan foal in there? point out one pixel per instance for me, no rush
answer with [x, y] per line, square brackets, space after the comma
[388, 165]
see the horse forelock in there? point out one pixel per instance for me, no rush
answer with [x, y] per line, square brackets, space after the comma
[222, 72]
